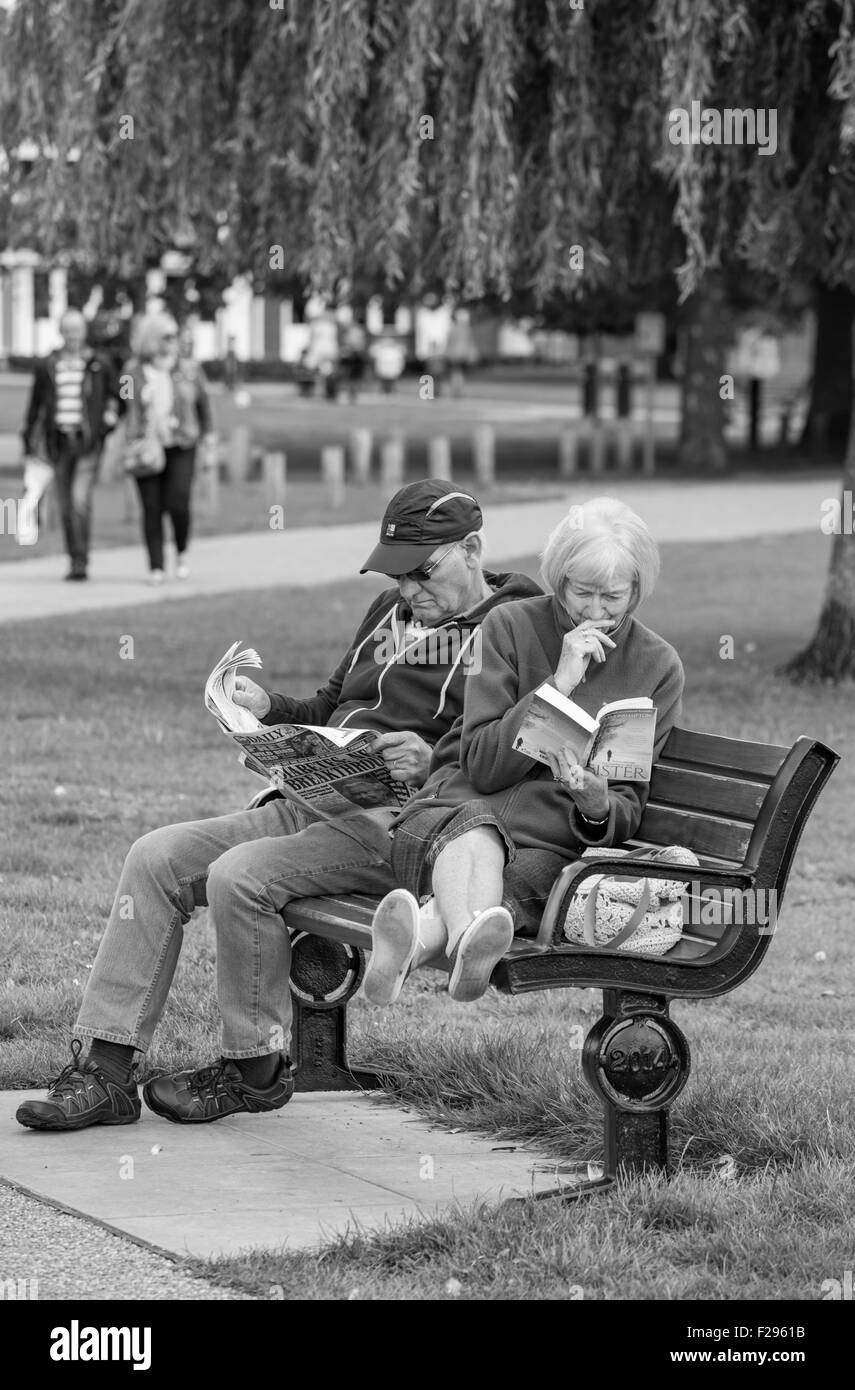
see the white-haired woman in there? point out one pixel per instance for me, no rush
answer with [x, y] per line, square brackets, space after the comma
[481, 844]
[156, 408]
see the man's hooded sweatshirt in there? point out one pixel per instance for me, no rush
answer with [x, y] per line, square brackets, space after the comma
[399, 676]
[521, 647]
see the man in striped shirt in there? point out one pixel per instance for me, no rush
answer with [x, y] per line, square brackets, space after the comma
[72, 407]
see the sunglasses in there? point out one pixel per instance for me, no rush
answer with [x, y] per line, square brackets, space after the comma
[424, 572]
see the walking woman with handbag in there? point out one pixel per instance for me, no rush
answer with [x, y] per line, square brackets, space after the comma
[193, 424]
[169, 414]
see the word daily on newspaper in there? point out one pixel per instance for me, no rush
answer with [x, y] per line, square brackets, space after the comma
[335, 770]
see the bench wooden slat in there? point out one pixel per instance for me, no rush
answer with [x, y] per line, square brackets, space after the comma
[711, 835]
[346, 918]
[704, 791]
[714, 861]
[711, 752]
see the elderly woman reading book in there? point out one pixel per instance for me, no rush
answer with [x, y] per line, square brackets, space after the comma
[478, 848]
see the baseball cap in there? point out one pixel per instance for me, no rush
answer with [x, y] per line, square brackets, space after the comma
[419, 518]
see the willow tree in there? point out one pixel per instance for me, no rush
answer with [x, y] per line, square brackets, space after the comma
[790, 214]
[467, 144]
[486, 147]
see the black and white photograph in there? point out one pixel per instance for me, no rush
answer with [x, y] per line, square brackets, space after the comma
[443, 353]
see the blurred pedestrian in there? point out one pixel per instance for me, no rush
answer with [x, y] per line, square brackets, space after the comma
[230, 365]
[170, 403]
[73, 405]
[459, 350]
[194, 425]
[389, 361]
[353, 357]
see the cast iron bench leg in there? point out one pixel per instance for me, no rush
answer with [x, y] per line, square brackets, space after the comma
[637, 1061]
[324, 976]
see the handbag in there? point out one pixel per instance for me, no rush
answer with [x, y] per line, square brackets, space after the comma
[143, 457]
[641, 915]
[144, 453]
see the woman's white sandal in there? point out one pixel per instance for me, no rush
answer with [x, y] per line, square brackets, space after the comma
[479, 950]
[395, 941]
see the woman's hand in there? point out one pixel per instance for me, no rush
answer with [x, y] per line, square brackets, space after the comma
[587, 789]
[580, 645]
[251, 696]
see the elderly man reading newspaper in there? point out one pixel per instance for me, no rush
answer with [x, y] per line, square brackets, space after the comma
[401, 677]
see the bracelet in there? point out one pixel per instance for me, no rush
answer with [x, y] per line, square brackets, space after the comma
[589, 821]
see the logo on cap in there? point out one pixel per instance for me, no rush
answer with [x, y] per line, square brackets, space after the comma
[390, 529]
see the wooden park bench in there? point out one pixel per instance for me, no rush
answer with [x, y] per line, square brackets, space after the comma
[741, 807]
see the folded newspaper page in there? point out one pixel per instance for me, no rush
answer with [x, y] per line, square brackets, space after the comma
[332, 769]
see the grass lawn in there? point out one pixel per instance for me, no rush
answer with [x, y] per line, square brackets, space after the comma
[99, 749]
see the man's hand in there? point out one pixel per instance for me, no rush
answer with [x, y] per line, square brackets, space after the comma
[580, 645]
[251, 696]
[406, 755]
[588, 789]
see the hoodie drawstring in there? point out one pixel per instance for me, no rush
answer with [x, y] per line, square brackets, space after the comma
[456, 662]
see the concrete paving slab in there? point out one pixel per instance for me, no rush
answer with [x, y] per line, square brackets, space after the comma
[685, 510]
[328, 1162]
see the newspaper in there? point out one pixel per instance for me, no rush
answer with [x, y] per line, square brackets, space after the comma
[335, 770]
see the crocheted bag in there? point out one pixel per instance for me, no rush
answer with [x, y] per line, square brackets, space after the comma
[644, 916]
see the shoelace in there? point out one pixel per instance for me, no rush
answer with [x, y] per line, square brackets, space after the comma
[206, 1078]
[73, 1069]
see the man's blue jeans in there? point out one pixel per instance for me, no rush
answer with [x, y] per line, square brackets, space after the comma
[245, 867]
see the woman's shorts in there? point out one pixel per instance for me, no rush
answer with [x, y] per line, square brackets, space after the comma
[528, 876]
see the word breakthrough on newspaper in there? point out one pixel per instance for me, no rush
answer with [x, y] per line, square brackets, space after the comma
[333, 769]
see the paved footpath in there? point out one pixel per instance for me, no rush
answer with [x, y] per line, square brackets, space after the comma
[326, 1163]
[683, 510]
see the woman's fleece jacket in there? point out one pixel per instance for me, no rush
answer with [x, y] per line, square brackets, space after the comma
[520, 649]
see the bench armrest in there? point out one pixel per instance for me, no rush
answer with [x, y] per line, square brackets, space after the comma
[572, 874]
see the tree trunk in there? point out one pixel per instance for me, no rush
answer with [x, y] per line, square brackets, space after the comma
[831, 654]
[702, 444]
[827, 421]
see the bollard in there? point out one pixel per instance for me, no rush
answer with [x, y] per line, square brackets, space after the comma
[239, 453]
[596, 449]
[131, 500]
[439, 457]
[360, 455]
[273, 473]
[332, 473]
[484, 455]
[648, 455]
[568, 453]
[591, 391]
[624, 446]
[210, 480]
[392, 460]
[49, 507]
